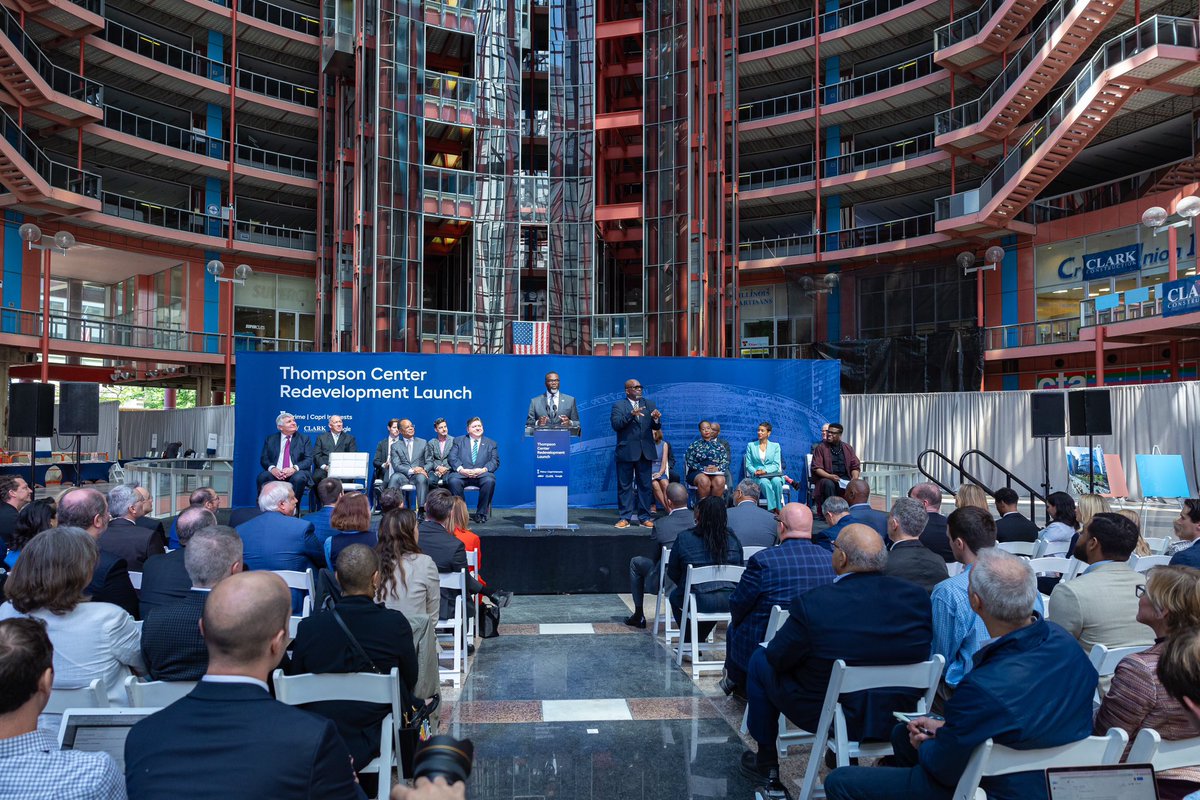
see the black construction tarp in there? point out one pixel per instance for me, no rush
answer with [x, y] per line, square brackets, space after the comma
[945, 361]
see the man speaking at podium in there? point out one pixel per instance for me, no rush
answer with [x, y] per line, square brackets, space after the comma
[552, 409]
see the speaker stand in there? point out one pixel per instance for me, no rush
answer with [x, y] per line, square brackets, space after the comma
[32, 468]
[78, 458]
[1045, 472]
[1091, 465]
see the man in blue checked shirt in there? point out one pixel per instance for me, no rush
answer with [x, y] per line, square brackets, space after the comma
[31, 765]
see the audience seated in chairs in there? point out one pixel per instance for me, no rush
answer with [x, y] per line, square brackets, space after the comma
[172, 646]
[32, 519]
[1061, 531]
[31, 764]
[380, 634]
[934, 536]
[1187, 530]
[276, 539]
[709, 543]
[863, 618]
[706, 463]
[14, 495]
[754, 526]
[165, 578]
[124, 538]
[773, 577]
[1013, 526]
[448, 552]
[92, 639]
[460, 524]
[1089, 505]
[230, 717]
[858, 495]
[971, 496]
[328, 492]
[409, 583]
[995, 700]
[643, 571]
[390, 499]
[204, 497]
[1179, 672]
[836, 512]
[907, 557]
[1100, 605]
[833, 461]
[351, 523]
[763, 463]
[87, 510]
[1169, 605]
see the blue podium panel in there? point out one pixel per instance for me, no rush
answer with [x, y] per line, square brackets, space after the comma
[368, 389]
[551, 476]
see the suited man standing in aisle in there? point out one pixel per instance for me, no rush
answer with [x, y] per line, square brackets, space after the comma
[635, 419]
[552, 409]
[286, 456]
[474, 460]
[335, 440]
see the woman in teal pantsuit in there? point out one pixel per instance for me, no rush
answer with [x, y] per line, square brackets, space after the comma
[764, 462]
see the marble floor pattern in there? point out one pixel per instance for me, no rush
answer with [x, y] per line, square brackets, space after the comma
[570, 703]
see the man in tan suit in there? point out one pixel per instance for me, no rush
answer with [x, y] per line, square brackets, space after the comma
[1100, 606]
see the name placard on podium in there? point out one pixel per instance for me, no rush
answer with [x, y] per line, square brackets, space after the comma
[551, 477]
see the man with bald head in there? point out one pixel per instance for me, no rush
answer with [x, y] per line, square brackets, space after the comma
[229, 737]
[773, 577]
[858, 495]
[88, 510]
[165, 578]
[863, 617]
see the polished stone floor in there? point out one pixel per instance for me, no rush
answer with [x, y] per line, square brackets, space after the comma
[569, 703]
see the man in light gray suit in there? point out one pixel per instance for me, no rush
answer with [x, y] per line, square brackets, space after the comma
[552, 409]
[408, 462]
[754, 526]
[643, 572]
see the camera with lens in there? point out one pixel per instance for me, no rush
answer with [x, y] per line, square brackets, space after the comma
[444, 756]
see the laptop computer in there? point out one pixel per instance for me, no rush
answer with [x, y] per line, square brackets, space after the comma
[1113, 782]
[100, 730]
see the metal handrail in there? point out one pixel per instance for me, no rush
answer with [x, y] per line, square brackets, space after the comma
[452, 88]
[856, 161]
[863, 236]
[1103, 195]
[449, 181]
[276, 162]
[275, 235]
[1009, 477]
[1154, 31]
[1028, 334]
[946, 459]
[173, 136]
[277, 87]
[830, 22]
[283, 17]
[55, 173]
[965, 26]
[61, 80]
[145, 45]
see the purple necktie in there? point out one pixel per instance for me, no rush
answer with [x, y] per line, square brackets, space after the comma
[287, 452]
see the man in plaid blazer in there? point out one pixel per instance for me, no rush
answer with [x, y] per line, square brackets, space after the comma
[773, 577]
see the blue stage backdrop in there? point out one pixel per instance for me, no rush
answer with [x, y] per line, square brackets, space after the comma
[368, 389]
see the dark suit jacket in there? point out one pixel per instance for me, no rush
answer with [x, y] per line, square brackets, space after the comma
[450, 555]
[828, 536]
[754, 526]
[689, 550]
[1016, 527]
[325, 446]
[301, 452]
[936, 537]
[383, 456]
[863, 513]
[538, 408]
[320, 522]
[321, 646]
[8, 523]
[111, 584]
[1188, 557]
[635, 440]
[668, 528]
[273, 541]
[188, 748]
[132, 542]
[239, 515]
[164, 581]
[488, 457]
[171, 642]
[915, 562]
[864, 619]
[152, 524]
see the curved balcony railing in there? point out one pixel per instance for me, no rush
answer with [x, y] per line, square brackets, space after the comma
[1028, 334]
[862, 236]
[779, 247]
[164, 53]
[275, 235]
[276, 162]
[61, 80]
[831, 21]
[99, 330]
[283, 17]
[55, 173]
[972, 111]
[277, 88]
[188, 221]
[857, 161]
[842, 91]
[965, 26]
[171, 136]
[1154, 31]
[450, 181]
[449, 88]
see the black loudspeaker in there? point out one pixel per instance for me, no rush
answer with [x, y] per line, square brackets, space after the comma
[1047, 414]
[31, 409]
[79, 409]
[1091, 412]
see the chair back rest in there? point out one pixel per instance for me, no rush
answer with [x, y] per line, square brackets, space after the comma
[1144, 564]
[155, 694]
[921, 675]
[1039, 548]
[1149, 748]
[295, 579]
[136, 579]
[1051, 564]
[990, 759]
[472, 560]
[722, 573]
[366, 687]
[349, 465]
[1027, 549]
[93, 695]
[454, 580]
[1158, 544]
[1105, 659]
[749, 551]
[775, 622]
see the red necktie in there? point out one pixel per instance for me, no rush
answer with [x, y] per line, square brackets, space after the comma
[287, 452]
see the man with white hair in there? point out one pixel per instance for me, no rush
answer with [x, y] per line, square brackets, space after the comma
[1031, 688]
[907, 557]
[754, 526]
[286, 456]
[125, 538]
[276, 539]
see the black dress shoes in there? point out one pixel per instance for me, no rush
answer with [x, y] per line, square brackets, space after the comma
[766, 776]
[730, 688]
[636, 621]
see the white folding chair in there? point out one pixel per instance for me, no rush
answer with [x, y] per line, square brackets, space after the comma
[1039, 548]
[923, 675]
[1027, 549]
[301, 581]
[1054, 565]
[692, 617]
[1106, 659]
[749, 551]
[662, 608]
[136, 579]
[992, 760]
[473, 569]
[1149, 748]
[94, 695]
[1144, 564]
[454, 629]
[366, 687]
[352, 469]
[774, 623]
[155, 694]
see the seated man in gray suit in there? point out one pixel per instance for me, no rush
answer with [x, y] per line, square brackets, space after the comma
[408, 461]
[643, 572]
[754, 526]
[552, 409]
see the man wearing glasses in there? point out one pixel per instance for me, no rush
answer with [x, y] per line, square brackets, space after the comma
[634, 418]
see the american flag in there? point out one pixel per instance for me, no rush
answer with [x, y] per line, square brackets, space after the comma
[531, 338]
